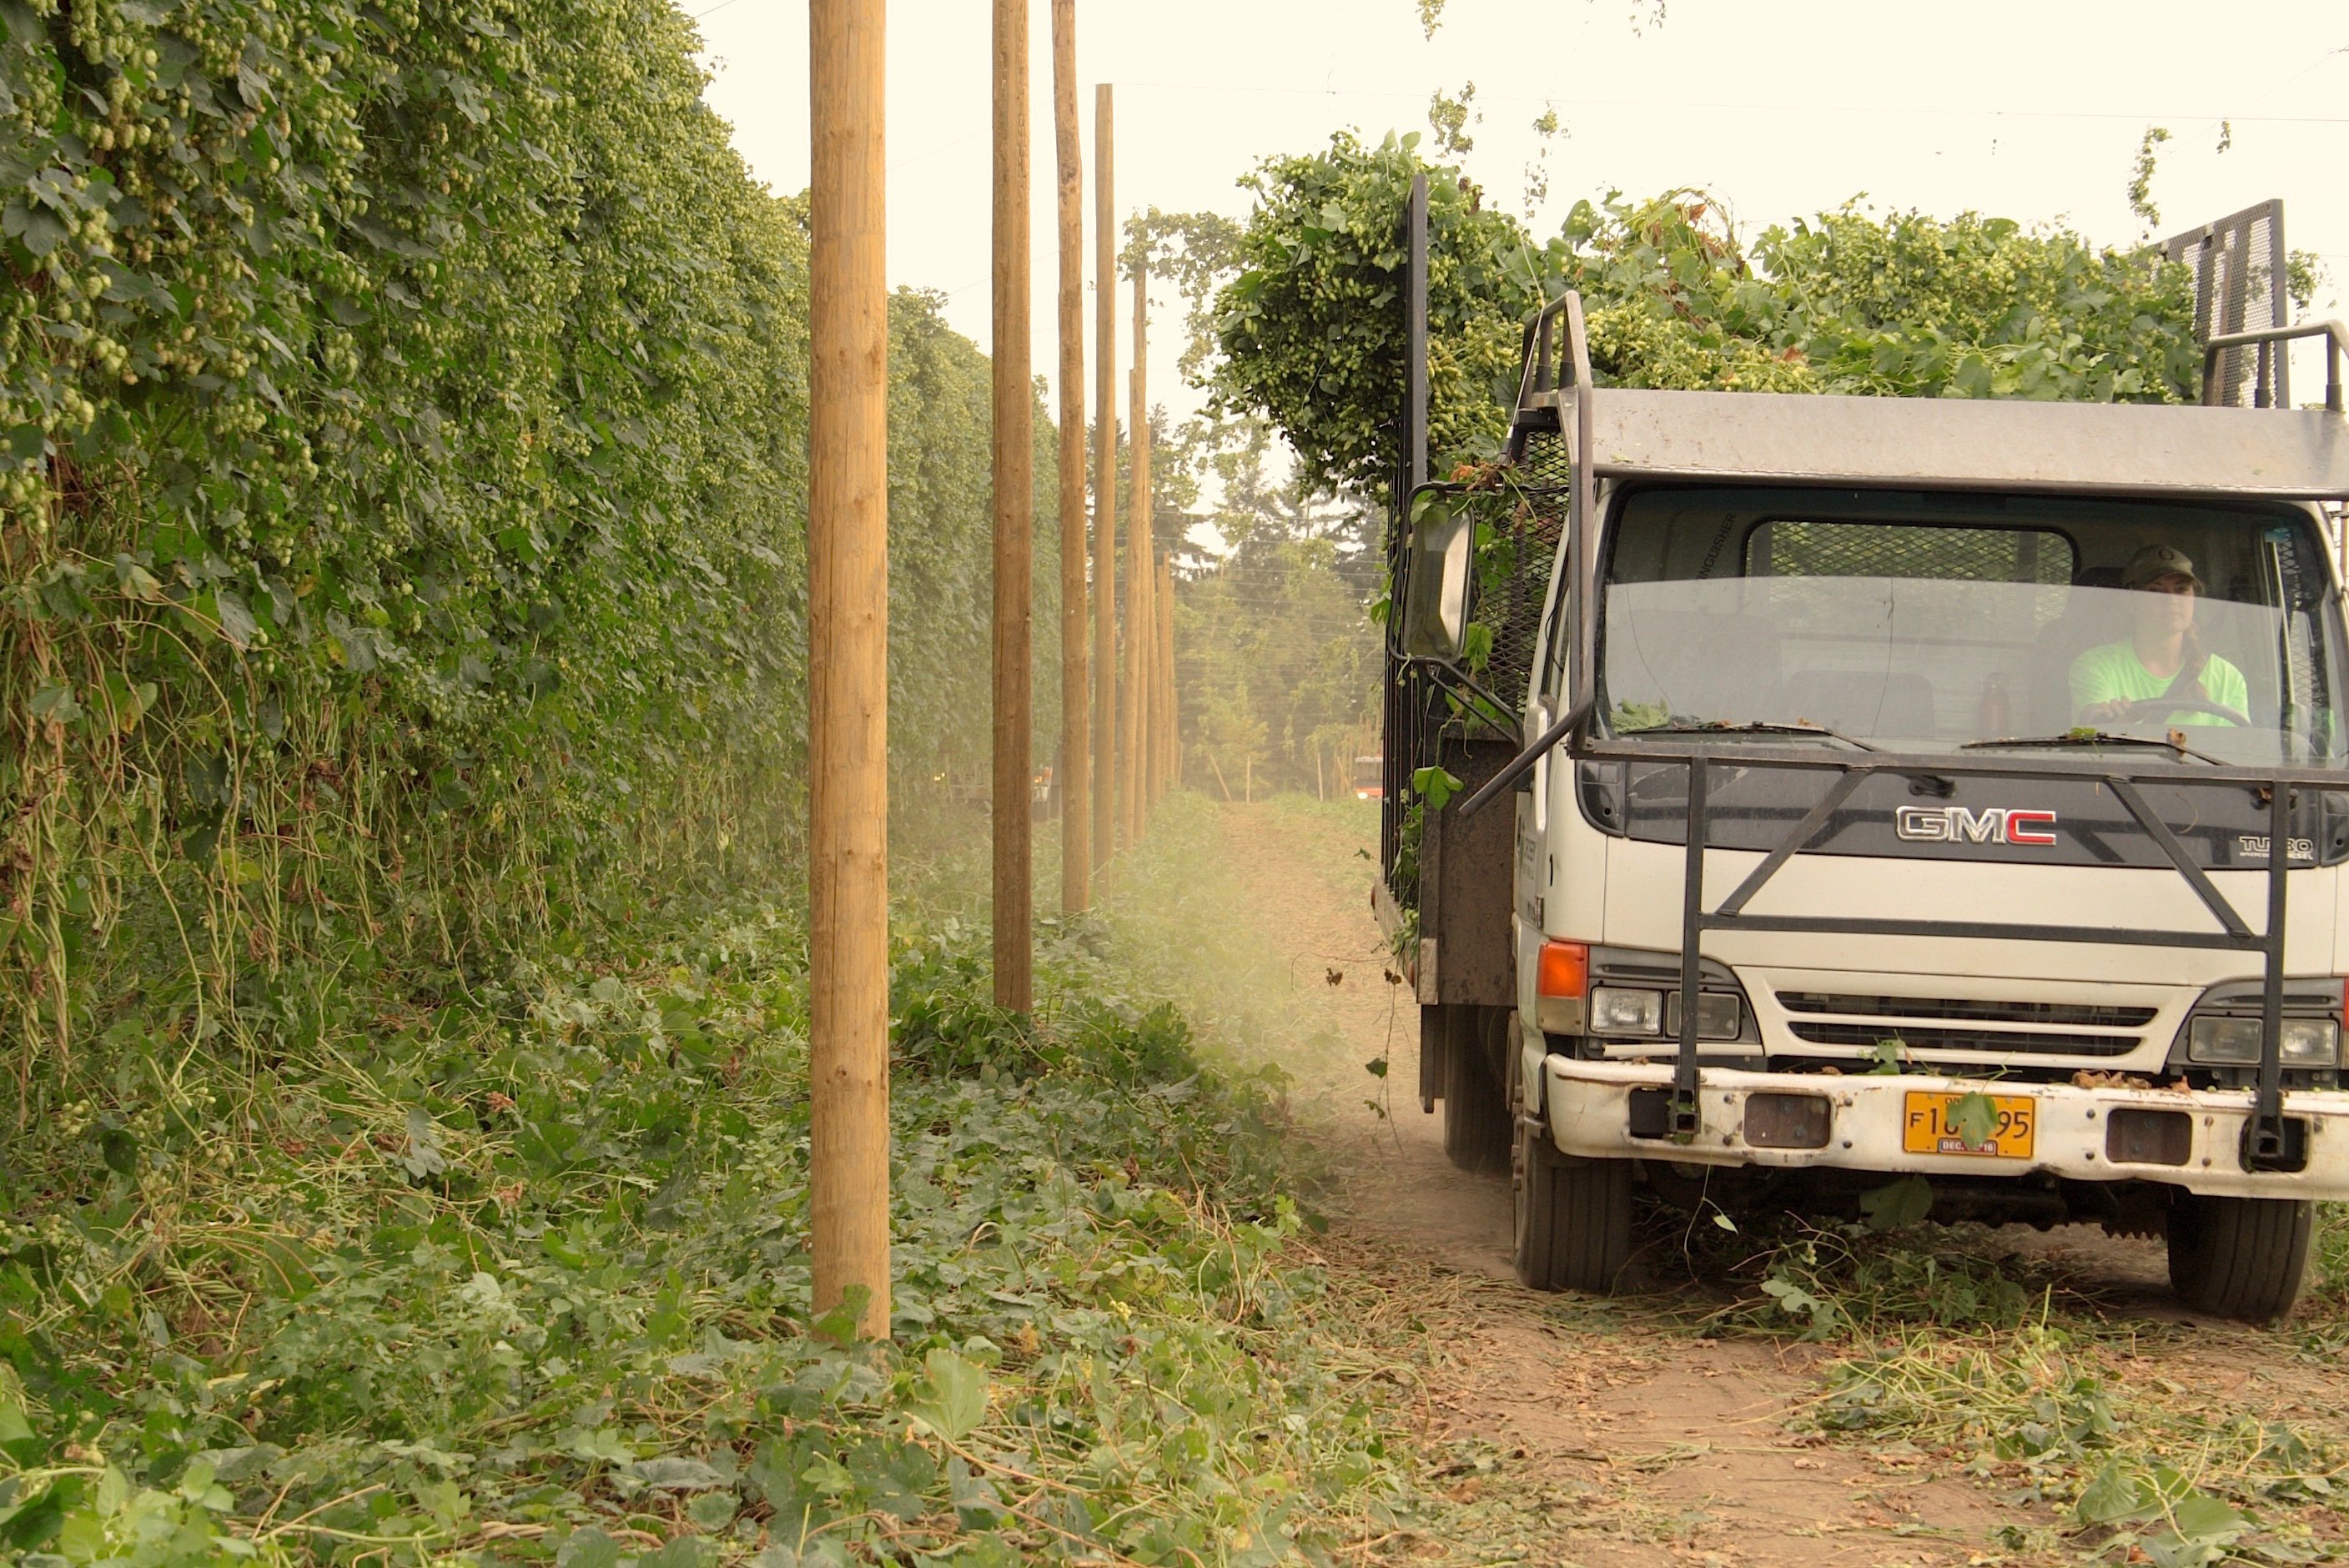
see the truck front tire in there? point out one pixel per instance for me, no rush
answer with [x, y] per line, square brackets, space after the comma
[1475, 1100]
[2238, 1257]
[1573, 1216]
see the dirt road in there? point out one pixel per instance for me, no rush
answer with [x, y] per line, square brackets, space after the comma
[1602, 1433]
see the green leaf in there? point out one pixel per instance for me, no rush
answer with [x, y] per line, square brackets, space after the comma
[829, 1477]
[1973, 1117]
[136, 581]
[23, 25]
[2113, 1497]
[236, 621]
[1435, 786]
[1476, 646]
[670, 1472]
[951, 1397]
[589, 1548]
[54, 704]
[2201, 1517]
[1898, 1204]
[423, 1158]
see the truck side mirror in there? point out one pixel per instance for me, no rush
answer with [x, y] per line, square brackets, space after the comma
[1435, 586]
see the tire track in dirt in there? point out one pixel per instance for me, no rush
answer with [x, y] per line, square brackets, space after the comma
[1622, 1437]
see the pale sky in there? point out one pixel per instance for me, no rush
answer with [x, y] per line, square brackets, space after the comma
[2028, 110]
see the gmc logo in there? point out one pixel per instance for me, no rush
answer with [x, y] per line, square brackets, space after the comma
[1957, 825]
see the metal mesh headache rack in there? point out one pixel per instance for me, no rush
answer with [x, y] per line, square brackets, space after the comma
[2238, 265]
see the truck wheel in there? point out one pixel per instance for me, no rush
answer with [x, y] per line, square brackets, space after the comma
[2238, 1257]
[1574, 1216]
[1475, 1103]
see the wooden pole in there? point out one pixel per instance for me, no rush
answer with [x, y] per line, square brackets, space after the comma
[848, 667]
[1076, 737]
[1149, 704]
[1170, 744]
[1173, 689]
[1015, 509]
[1137, 556]
[1146, 629]
[1154, 707]
[1104, 480]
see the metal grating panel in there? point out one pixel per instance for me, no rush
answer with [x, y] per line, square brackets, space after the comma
[2238, 286]
[1418, 714]
[1535, 525]
[1793, 547]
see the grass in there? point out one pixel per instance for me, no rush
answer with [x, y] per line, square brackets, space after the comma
[1339, 838]
[515, 1271]
[2137, 1441]
[522, 1276]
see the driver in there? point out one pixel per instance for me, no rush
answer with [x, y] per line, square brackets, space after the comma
[2162, 657]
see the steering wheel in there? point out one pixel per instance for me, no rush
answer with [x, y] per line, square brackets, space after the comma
[2159, 708]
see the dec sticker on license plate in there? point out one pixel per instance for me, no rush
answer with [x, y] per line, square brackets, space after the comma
[1999, 1126]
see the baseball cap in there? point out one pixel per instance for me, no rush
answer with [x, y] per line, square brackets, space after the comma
[2155, 560]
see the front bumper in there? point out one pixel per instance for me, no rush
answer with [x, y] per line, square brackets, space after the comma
[1589, 1111]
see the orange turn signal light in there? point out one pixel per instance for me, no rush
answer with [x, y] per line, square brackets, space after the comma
[1564, 970]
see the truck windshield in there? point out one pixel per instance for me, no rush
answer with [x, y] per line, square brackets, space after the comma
[1925, 622]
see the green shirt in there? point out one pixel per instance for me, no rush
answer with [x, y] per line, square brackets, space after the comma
[2100, 675]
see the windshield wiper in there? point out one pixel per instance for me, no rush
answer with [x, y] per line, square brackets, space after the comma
[2097, 737]
[1756, 727]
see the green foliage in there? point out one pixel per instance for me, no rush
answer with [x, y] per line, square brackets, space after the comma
[2005, 1364]
[402, 424]
[580, 1333]
[941, 559]
[1311, 327]
[1900, 304]
[2140, 185]
[1193, 251]
[1449, 116]
[1434, 786]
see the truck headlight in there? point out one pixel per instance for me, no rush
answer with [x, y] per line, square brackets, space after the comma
[2235, 1042]
[1717, 1016]
[1616, 1010]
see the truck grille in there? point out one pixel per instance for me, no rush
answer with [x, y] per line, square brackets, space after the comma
[1975, 1041]
[1961, 1023]
[1971, 1011]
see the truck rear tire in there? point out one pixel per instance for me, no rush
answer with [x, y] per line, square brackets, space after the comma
[2239, 1258]
[1573, 1216]
[1475, 1101]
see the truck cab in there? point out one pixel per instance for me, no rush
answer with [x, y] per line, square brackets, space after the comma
[1909, 797]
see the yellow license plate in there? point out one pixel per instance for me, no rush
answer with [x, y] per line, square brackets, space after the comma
[1941, 1123]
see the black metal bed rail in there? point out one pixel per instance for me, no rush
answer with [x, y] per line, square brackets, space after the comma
[2265, 1146]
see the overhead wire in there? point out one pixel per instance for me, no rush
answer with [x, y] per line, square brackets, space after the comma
[1944, 110]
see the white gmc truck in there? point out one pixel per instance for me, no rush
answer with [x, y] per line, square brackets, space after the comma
[1947, 789]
